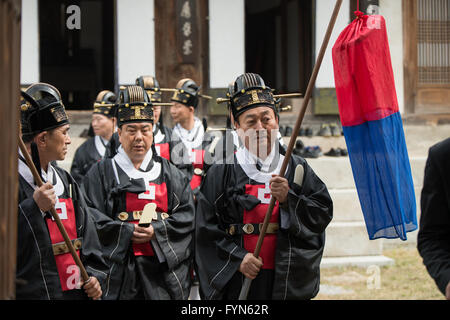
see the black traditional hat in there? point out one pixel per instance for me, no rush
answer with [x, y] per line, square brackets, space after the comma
[151, 86]
[249, 92]
[41, 109]
[104, 103]
[187, 93]
[134, 105]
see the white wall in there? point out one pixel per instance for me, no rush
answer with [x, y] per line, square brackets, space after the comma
[135, 40]
[324, 10]
[391, 10]
[392, 13]
[226, 41]
[29, 59]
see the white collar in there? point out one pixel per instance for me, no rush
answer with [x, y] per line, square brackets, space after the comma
[25, 172]
[191, 138]
[100, 144]
[124, 162]
[158, 136]
[248, 162]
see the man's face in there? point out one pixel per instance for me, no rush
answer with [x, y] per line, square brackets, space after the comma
[136, 139]
[102, 125]
[180, 112]
[156, 113]
[258, 128]
[55, 143]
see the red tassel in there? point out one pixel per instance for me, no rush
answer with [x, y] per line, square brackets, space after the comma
[359, 14]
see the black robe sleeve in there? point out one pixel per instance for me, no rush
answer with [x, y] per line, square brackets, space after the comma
[217, 257]
[115, 235]
[174, 234]
[433, 240]
[301, 239]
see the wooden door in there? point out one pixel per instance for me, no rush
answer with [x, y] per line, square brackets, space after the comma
[181, 47]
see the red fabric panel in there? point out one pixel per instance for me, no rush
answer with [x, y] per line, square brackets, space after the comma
[363, 72]
[133, 203]
[69, 273]
[257, 215]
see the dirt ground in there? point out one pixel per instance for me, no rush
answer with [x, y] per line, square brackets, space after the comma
[407, 279]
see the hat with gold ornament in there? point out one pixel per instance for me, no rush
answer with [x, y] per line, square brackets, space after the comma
[134, 105]
[105, 103]
[41, 109]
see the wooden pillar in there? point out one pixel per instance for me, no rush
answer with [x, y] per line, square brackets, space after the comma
[10, 24]
[182, 47]
[410, 55]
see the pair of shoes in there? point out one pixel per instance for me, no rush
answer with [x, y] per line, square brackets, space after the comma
[288, 131]
[338, 152]
[305, 132]
[325, 131]
[329, 130]
[335, 130]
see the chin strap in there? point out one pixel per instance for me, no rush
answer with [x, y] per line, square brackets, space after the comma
[36, 160]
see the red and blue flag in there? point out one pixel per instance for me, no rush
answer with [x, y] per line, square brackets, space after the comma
[373, 128]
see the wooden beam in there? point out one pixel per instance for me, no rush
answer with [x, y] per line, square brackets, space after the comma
[10, 26]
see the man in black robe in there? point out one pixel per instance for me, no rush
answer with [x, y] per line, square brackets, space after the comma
[93, 149]
[233, 202]
[146, 262]
[433, 240]
[45, 267]
[189, 137]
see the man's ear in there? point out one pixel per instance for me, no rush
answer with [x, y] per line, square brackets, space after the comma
[41, 139]
[191, 109]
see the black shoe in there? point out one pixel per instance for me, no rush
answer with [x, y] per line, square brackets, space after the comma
[299, 144]
[288, 131]
[308, 132]
[333, 152]
[343, 152]
[324, 131]
[302, 132]
[281, 130]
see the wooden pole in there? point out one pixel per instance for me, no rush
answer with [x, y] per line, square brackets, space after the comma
[246, 285]
[53, 212]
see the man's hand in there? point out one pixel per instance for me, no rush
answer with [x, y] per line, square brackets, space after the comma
[279, 188]
[45, 197]
[447, 291]
[143, 235]
[250, 266]
[93, 288]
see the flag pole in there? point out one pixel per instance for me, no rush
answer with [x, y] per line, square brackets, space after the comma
[247, 282]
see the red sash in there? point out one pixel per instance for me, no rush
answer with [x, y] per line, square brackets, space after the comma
[163, 150]
[196, 180]
[136, 202]
[69, 273]
[256, 215]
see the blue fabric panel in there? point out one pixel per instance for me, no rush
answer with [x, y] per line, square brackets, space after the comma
[382, 175]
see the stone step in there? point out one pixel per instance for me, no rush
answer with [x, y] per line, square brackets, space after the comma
[356, 261]
[346, 205]
[337, 173]
[350, 239]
